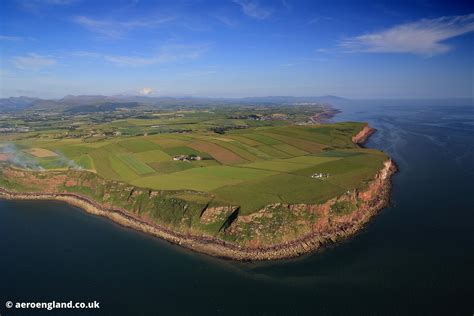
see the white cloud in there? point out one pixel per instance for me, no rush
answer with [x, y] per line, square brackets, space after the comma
[58, 2]
[81, 53]
[286, 4]
[146, 91]
[314, 20]
[253, 9]
[33, 61]
[226, 20]
[318, 18]
[303, 61]
[12, 38]
[197, 73]
[132, 60]
[117, 29]
[321, 50]
[36, 6]
[167, 54]
[423, 37]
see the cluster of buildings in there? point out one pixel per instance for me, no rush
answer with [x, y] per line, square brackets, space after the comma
[262, 117]
[186, 158]
[20, 129]
[319, 175]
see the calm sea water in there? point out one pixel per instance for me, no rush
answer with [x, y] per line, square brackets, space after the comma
[416, 257]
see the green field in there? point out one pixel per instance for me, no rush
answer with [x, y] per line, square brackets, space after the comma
[135, 164]
[250, 174]
[250, 167]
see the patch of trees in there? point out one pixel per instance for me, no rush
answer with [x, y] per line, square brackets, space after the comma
[222, 129]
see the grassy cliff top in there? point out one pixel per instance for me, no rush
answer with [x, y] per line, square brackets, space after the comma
[247, 167]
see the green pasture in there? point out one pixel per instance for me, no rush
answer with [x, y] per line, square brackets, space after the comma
[261, 139]
[137, 145]
[254, 166]
[136, 165]
[201, 179]
[152, 156]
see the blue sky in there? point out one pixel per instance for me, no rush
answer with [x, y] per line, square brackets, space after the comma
[356, 49]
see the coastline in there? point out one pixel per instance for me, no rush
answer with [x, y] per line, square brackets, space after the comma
[362, 137]
[378, 192]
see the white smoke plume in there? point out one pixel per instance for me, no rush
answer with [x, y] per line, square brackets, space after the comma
[64, 161]
[18, 158]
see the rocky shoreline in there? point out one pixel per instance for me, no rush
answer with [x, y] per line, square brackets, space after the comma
[374, 199]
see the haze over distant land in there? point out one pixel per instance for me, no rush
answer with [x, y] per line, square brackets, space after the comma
[237, 48]
[81, 103]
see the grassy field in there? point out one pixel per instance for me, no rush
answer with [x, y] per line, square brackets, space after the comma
[250, 167]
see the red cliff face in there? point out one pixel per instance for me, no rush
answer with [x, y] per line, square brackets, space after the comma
[277, 231]
[363, 135]
[285, 223]
[44, 181]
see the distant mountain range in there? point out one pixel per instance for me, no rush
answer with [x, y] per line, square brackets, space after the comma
[17, 103]
[95, 103]
[101, 103]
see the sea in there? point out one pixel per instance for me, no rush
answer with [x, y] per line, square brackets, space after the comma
[416, 257]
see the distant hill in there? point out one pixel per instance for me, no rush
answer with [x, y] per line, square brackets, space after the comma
[100, 103]
[290, 99]
[17, 103]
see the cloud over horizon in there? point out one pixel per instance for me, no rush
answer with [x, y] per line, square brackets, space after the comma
[423, 37]
[145, 91]
[33, 61]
